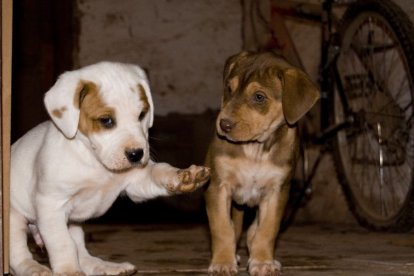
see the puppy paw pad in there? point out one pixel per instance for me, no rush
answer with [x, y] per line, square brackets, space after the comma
[75, 273]
[222, 270]
[268, 268]
[95, 266]
[31, 267]
[192, 178]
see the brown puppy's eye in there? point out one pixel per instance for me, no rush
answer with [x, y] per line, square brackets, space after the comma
[107, 122]
[259, 97]
[142, 116]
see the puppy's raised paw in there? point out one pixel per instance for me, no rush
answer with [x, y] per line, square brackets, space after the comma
[270, 268]
[190, 179]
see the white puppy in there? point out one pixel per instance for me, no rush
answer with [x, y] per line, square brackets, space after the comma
[66, 171]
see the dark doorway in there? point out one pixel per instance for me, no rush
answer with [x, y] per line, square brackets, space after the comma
[44, 40]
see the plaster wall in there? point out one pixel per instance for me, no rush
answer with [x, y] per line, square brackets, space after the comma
[182, 43]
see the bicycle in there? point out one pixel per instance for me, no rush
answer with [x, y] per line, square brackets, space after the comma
[366, 107]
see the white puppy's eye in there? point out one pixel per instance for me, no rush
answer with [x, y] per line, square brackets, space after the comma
[107, 122]
[142, 115]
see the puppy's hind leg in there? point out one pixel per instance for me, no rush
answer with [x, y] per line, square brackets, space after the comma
[21, 260]
[93, 265]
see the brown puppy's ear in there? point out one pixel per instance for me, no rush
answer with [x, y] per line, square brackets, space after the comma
[231, 61]
[299, 94]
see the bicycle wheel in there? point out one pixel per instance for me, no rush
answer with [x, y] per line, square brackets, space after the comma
[374, 157]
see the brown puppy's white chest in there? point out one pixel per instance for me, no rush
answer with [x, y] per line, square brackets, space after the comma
[255, 170]
[249, 181]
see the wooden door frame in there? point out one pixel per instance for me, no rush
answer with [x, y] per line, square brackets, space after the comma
[6, 42]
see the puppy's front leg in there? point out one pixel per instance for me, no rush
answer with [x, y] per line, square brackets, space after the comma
[162, 179]
[223, 237]
[52, 224]
[262, 234]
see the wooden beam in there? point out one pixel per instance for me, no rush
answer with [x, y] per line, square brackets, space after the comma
[6, 60]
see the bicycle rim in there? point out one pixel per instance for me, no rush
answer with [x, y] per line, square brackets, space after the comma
[376, 154]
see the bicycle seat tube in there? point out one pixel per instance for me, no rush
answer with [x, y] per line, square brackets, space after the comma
[326, 81]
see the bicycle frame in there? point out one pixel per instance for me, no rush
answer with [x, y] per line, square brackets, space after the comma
[330, 48]
[328, 73]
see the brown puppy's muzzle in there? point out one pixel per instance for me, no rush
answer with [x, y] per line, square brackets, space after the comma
[226, 125]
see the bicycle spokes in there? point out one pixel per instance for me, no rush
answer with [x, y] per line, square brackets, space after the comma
[375, 153]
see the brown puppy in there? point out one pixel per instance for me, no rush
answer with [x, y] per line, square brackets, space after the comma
[253, 156]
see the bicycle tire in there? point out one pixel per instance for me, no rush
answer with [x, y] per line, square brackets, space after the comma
[374, 157]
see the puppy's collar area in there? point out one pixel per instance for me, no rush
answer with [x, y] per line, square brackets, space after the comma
[238, 142]
[224, 137]
[263, 139]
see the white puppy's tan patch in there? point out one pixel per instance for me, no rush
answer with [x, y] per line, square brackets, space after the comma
[73, 168]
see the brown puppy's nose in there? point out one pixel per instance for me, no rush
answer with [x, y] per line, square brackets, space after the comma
[226, 125]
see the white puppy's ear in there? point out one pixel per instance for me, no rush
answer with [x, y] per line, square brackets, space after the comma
[149, 99]
[62, 102]
[145, 84]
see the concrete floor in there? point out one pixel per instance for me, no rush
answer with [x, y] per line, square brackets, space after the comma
[304, 250]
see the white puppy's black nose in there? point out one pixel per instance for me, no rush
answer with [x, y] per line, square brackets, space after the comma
[134, 155]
